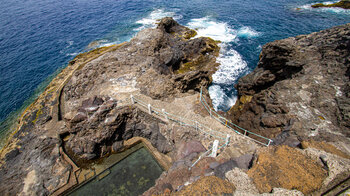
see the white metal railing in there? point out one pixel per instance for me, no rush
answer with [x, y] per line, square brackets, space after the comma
[223, 137]
[237, 129]
[180, 120]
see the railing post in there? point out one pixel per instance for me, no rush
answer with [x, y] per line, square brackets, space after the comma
[165, 115]
[245, 132]
[269, 142]
[132, 99]
[215, 148]
[149, 109]
[227, 139]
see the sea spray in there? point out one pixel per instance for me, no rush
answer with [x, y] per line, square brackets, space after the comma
[334, 10]
[232, 65]
[150, 21]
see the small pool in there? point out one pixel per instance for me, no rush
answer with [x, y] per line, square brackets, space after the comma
[133, 175]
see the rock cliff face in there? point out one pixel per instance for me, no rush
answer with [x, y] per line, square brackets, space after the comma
[300, 90]
[159, 62]
[103, 128]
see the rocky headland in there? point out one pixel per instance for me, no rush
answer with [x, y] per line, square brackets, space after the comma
[345, 4]
[298, 96]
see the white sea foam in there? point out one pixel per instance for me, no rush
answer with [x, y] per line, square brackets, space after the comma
[247, 32]
[231, 66]
[231, 62]
[207, 27]
[220, 98]
[324, 9]
[69, 44]
[72, 54]
[150, 21]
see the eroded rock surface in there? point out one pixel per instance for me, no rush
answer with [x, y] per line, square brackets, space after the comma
[209, 185]
[287, 168]
[99, 127]
[159, 62]
[301, 87]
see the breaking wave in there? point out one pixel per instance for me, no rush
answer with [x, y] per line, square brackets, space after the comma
[232, 65]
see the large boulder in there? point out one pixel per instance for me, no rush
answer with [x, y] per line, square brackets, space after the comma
[187, 148]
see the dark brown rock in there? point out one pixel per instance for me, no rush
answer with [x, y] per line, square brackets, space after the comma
[244, 161]
[187, 148]
[301, 86]
[225, 167]
[78, 117]
[107, 128]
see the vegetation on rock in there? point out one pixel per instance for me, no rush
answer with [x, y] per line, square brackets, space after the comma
[288, 168]
[209, 185]
[345, 4]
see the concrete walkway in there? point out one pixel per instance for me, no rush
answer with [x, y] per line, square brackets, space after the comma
[187, 109]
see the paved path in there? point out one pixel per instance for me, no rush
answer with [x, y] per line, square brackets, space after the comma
[186, 109]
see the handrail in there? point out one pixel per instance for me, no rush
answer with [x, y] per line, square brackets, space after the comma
[181, 120]
[205, 154]
[226, 122]
[200, 157]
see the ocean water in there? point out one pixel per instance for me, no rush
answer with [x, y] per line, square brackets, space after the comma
[38, 38]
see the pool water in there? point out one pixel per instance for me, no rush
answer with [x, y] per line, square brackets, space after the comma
[131, 176]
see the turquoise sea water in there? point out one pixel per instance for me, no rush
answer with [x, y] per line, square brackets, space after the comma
[39, 37]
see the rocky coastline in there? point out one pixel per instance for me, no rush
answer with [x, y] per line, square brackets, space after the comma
[345, 4]
[298, 96]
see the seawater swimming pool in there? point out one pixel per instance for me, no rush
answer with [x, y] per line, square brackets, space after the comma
[133, 174]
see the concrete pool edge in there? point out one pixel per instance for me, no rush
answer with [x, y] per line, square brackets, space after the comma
[74, 183]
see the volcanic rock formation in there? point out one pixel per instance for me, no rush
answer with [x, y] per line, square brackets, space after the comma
[84, 111]
[345, 4]
[300, 89]
[298, 96]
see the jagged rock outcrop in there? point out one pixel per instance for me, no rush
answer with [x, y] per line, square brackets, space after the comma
[345, 4]
[299, 90]
[99, 127]
[160, 62]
